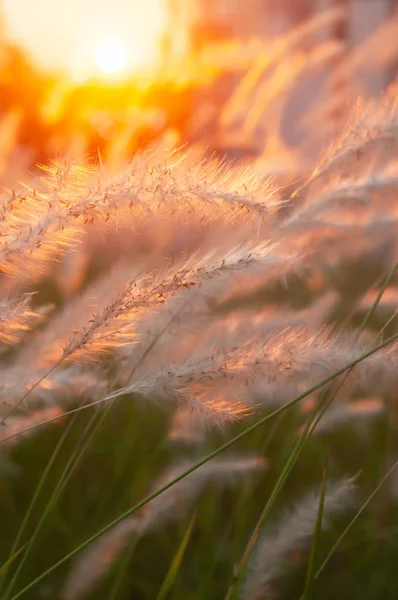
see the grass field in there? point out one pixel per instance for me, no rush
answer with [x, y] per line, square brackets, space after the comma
[200, 359]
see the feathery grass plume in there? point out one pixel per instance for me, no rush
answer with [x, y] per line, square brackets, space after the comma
[198, 383]
[373, 191]
[113, 325]
[378, 50]
[273, 55]
[189, 310]
[372, 133]
[172, 506]
[185, 186]
[175, 205]
[300, 357]
[205, 184]
[185, 428]
[273, 93]
[53, 213]
[95, 562]
[234, 329]
[380, 374]
[222, 382]
[61, 386]
[346, 209]
[354, 413]
[204, 273]
[37, 225]
[187, 288]
[293, 532]
[177, 499]
[244, 322]
[17, 318]
[251, 368]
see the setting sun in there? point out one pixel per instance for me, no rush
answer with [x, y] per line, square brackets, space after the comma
[88, 37]
[111, 56]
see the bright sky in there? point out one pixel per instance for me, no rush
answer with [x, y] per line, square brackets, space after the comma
[67, 33]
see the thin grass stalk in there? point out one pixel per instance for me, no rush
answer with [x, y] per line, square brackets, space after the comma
[124, 563]
[64, 478]
[203, 461]
[372, 310]
[101, 400]
[59, 362]
[121, 571]
[36, 494]
[310, 579]
[246, 489]
[70, 467]
[73, 411]
[176, 562]
[290, 463]
[390, 320]
[318, 413]
[10, 560]
[365, 321]
[30, 390]
[354, 520]
[298, 447]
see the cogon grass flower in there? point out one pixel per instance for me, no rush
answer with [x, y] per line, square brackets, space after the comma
[172, 506]
[293, 532]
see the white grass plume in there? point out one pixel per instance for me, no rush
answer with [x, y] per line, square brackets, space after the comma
[17, 318]
[355, 413]
[373, 128]
[170, 506]
[273, 55]
[293, 532]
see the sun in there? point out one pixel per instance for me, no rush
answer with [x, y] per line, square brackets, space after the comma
[111, 56]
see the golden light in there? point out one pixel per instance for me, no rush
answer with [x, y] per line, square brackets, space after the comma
[111, 56]
[89, 37]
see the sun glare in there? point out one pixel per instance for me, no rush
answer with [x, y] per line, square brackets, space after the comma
[114, 39]
[111, 56]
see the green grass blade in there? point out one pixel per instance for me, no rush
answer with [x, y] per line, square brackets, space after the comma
[203, 461]
[36, 493]
[291, 461]
[310, 579]
[47, 509]
[375, 304]
[122, 568]
[295, 454]
[67, 472]
[355, 518]
[10, 560]
[73, 462]
[103, 400]
[30, 390]
[176, 563]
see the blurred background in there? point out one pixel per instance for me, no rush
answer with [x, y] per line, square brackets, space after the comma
[103, 79]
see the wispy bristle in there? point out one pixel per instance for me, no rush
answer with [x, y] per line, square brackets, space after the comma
[293, 532]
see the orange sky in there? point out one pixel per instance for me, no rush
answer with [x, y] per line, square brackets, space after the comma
[65, 33]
